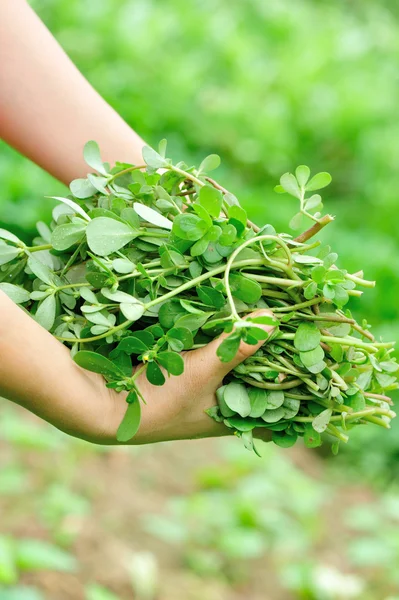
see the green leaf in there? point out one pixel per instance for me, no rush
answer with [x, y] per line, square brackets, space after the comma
[224, 409]
[330, 259]
[8, 253]
[171, 361]
[211, 199]
[15, 292]
[82, 188]
[229, 347]
[91, 154]
[152, 216]
[65, 236]
[75, 207]
[45, 314]
[296, 221]
[238, 214]
[245, 289]
[310, 290]
[210, 163]
[153, 159]
[105, 236]
[319, 181]
[275, 399]
[237, 399]
[189, 227]
[211, 297]
[193, 321]
[132, 312]
[318, 274]
[356, 402]
[183, 335]
[199, 247]
[258, 400]
[313, 202]
[312, 357]
[307, 337]
[131, 421]
[264, 320]
[10, 237]
[36, 555]
[154, 374]
[284, 440]
[291, 407]
[311, 437]
[92, 361]
[203, 214]
[119, 296]
[290, 185]
[341, 296]
[302, 174]
[274, 415]
[241, 424]
[320, 422]
[123, 265]
[229, 234]
[306, 259]
[169, 313]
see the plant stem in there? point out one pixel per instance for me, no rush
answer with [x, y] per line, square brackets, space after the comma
[128, 170]
[123, 325]
[275, 280]
[38, 248]
[306, 235]
[273, 386]
[186, 175]
[294, 307]
[344, 341]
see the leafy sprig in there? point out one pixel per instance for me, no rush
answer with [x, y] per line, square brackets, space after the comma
[144, 261]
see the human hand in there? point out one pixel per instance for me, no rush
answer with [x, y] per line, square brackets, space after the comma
[38, 372]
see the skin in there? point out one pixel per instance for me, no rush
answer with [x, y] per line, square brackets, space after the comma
[48, 111]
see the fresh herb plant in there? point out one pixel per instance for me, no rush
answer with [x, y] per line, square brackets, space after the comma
[143, 262]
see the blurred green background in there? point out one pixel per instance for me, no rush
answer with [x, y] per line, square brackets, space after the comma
[267, 85]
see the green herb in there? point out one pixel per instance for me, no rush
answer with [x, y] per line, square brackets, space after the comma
[140, 265]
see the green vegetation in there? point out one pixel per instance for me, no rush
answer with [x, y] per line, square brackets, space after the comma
[153, 263]
[266, 86]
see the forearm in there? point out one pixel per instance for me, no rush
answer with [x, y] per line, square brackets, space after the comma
[48, 110]
[36, 371]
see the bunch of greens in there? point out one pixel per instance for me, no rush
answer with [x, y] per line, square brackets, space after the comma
[142, 262]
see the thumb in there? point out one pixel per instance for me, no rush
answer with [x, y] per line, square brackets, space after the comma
[213, 367]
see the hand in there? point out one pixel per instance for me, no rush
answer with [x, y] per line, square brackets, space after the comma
[37, 372]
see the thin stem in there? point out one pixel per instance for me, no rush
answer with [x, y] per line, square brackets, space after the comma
[123, 325]
[38, 248]
[306, 235]
[128, 170]
[273, 386]
[186, 175]
[360, 281]
[344, 341]
[294, 307]
[236, 253]
[275, 280]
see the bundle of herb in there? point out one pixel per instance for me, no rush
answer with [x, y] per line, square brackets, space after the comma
[143, 262]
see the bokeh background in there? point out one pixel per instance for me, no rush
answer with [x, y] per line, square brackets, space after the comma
[267, 85]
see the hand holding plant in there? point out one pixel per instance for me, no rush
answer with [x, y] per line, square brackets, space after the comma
[139, 267]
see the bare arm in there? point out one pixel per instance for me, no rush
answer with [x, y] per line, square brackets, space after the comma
[48, 110]
[36, 371]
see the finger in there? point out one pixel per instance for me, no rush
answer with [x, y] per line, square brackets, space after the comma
[213, 367]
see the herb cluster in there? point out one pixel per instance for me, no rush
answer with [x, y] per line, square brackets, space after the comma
[142, 262]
